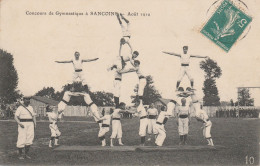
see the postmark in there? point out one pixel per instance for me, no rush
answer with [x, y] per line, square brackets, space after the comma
[226, 25]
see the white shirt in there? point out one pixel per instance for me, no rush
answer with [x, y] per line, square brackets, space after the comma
[126, 52]
[185, 58]
[77, 64]
[52, 116]
[107, 120]
[162, 116]
[183, 110]
[152, 111]
[22, 113]
[141, 111]
[139, 72]
[116, 113]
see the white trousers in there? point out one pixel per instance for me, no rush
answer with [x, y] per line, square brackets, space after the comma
[55, 132]
[183, 127]
[143, 127]
[25, 135]
[161, 135]
[80, 76]
[152, 126]
[185, 70]
[206, 129]
[116, 129]
[103, 131]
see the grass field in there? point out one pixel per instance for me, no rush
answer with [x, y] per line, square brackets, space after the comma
[239, 136]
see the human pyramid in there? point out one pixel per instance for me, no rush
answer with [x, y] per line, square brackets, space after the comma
[148, 119]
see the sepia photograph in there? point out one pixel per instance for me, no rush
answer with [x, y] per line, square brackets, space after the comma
[120, 82]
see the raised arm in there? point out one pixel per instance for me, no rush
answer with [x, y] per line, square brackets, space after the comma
[89, 60]
[118, 18]
[197, 56]
[172, 53]
[132, 61]
[120, 48]
[63, 61]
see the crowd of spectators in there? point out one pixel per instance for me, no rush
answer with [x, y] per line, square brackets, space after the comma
[237, 112]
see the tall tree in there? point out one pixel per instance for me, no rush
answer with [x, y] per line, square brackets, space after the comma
[8, 79]
[151, 94]
[212, 72]
[101, 98]
[244, 97]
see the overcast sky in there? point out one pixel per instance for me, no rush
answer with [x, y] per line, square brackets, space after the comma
[37, 41]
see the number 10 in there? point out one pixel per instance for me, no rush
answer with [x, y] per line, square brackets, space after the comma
[251, 160]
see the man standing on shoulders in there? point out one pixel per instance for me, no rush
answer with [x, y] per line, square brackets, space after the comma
[78, 68]
[26, 120]
[185, 63]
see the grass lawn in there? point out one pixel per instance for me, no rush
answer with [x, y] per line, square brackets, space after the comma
[239, 136]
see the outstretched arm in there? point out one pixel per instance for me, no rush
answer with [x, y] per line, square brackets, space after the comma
[127, 70]
[197, 56]
[131, 111]
[63, 61]
[132, 61]
[76, 94]
[122, 111]
[89, 60]
[172, 53]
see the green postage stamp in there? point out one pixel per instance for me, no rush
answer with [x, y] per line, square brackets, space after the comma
[226, 25]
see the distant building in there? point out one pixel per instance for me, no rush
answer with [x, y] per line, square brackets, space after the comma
[39, 104]
[161, 102]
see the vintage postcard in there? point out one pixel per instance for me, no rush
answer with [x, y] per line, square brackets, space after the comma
[120, 82]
